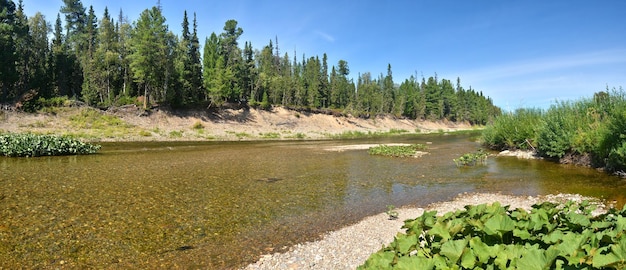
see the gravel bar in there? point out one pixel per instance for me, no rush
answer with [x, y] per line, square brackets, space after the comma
[349, 247]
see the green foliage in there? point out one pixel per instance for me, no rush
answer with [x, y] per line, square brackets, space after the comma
[197, 125]
[102, 61]
[471, 159]
[550, 236]
[31, 145]
[391, 212]
[92, 119]
[176, 134]
[594, 126]
[396, 150]
[516, 130]
[270, 135]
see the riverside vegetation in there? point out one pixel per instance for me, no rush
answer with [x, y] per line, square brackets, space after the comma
[104, 62]
[591, 131]
[550, 236]
[33, 145]
[396, 150]
[471, 159]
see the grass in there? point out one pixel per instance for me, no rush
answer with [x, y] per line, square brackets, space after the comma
[239, 135]
[197, 125]
[270, 135]
[145, 133]
[176, 134]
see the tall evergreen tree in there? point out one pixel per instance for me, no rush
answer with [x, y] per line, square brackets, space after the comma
[189, 65]
[23, 49]
[90, 85]
[150, 54]
[76, 43]
[195, 63]
[106, 60]
[39, 29]
[124, 33]
[8, 56]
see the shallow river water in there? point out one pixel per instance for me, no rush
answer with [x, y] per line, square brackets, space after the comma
[223, 204]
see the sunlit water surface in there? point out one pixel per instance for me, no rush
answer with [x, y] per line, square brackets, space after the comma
[223, 204]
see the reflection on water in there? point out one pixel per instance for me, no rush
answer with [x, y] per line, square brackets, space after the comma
[221, 205]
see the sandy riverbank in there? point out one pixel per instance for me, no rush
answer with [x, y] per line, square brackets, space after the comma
[130, 123]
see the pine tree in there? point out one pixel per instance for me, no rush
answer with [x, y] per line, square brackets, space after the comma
[106, 60]
[149, 57]
[76, 44]
[39, 71]
[8, 56]
[23, 49]
[90, 85]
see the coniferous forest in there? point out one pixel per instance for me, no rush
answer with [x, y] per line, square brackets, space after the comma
[108, 61]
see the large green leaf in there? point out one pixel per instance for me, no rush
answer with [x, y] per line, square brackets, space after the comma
[616, 258]
[414, 262]
[404, 242]
[578, 219]
[482, 251]
[498, 224]
[468, 259]
[379, 260]
[453, 249]
[536, 258]
[440, 229]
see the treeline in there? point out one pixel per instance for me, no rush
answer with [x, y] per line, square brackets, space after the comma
[110, 61]
[591, 131]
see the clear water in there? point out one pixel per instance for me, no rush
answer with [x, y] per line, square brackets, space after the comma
[223, 204]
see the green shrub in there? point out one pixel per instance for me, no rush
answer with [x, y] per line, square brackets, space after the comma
[471, 159]
[197, 125]
[270, 135]
[550, 236]
[176, 134]
[595, 126]
[613, 143]
[396, 150]
[31, 145]
[516, 130]
[92, 119]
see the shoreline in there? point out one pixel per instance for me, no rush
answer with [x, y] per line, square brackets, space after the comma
[132, 124]
[350, 246]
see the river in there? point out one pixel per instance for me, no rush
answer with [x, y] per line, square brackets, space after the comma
[223, 204]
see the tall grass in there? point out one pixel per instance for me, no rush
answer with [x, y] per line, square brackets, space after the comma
[516, 130]
[594, 126]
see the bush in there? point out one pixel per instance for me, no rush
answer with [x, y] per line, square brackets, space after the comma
[396, 150]
[31, 145]
[613, 143]
[471, 159]
[594, 126]
[493, 237]
[516, 130]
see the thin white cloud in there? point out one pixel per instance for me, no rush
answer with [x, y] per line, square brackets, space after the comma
[325, 36]
[547, 64]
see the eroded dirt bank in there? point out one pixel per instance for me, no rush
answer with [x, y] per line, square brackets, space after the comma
[130, 123]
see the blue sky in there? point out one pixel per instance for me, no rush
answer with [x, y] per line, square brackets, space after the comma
[520, 53]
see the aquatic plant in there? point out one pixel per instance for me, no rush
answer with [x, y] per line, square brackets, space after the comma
[391, 212]
[471, 159]
[396, 150]
[33, 145]
[550, 236]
